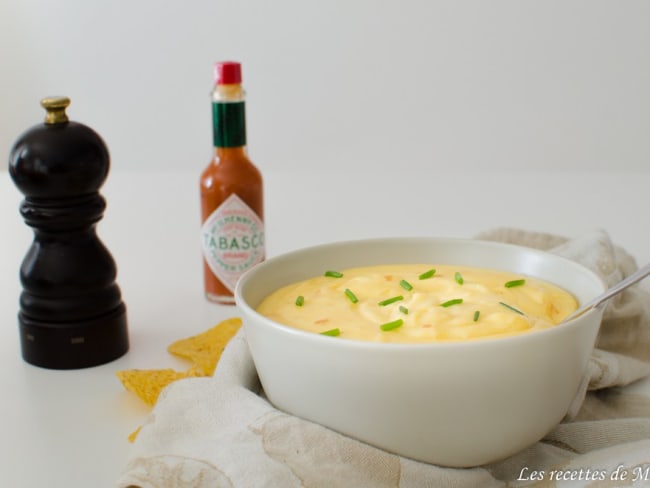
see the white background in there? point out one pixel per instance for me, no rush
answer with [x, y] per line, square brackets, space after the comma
[553, 84]
[502, 106]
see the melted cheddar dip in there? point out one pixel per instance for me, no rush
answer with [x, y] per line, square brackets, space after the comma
[418, 303]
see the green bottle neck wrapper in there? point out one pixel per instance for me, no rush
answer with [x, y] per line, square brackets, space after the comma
[228, 124]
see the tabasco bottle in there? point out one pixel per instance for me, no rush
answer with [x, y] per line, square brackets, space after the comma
[232, 233]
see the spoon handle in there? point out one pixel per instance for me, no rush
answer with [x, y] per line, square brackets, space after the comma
[635, 277]
[638, 275]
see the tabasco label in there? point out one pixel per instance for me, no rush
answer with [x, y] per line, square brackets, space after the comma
[232, 240]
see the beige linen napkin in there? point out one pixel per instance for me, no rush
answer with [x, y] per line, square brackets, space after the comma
[222, 432]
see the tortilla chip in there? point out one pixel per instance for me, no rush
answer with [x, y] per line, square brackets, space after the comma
[134, 435]
[204, 350]
[148, 383]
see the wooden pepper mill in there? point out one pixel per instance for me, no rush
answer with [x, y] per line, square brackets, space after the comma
[71, 312]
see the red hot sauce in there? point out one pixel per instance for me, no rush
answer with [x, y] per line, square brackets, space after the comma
[232, 207]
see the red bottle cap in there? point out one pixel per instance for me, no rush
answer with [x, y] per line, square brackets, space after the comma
[227, 73]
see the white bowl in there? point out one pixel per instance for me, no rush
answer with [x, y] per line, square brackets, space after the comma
[453, 404]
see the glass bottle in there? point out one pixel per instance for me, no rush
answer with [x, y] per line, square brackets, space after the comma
[231, 187]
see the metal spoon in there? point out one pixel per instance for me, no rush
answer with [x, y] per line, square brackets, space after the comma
[610, 292]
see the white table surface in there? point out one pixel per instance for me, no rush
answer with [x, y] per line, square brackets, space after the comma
[69, 428]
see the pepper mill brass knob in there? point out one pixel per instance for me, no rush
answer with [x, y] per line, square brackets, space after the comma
[55, 107]
[71, 312]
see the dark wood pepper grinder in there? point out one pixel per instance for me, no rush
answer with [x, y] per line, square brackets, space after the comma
[71, 311]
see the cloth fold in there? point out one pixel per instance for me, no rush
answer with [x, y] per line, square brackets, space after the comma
[222, 432]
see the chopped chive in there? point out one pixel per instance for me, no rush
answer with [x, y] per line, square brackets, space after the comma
[406, 285]
[388, 301]
[391, 325]
[459, 278]
[332, 332]
[449, 303]
[427, 274]
[403, 309]
[513, 283]
[476, 315]
[333, 274]
[351, 296]
[510, 307]
[300, 301]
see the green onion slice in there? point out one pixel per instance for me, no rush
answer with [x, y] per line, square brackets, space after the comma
[332, 332]
[449, 303]
[391, 325]
[300, 301]
[333, 274]
[406, 285]
[513, 283]
[427, 274]
[351, 296]
[510, 307]
[459, 278]
[476, 315]
[388, 301]
[403, 309]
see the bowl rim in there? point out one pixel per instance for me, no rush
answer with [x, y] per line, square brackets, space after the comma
[244, 306]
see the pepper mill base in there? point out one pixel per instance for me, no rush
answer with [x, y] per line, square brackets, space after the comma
[74, 345]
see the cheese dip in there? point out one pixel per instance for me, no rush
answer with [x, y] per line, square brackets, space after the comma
[418, 303]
